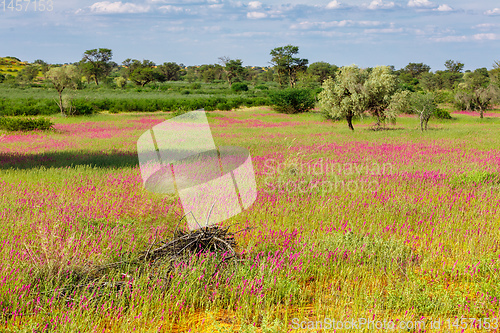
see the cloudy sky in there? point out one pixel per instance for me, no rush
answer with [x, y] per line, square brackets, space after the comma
[193, 32]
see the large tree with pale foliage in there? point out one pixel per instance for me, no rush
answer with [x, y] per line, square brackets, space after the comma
[355, 90]
[379, 88]
[344, 97]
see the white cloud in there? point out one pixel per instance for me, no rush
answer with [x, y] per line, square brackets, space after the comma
[380, 4]
[494, 11]
[486, 26]
[249, 34]
[306, 25]
[256, 15]
[254, 4]
[171, 9]
[420, 3]
[383, 31]
[489, 36]
[450, 39]
[333, 5]
[118, 7]
[444, 8]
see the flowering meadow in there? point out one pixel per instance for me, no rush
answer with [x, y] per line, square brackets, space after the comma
[393, 225]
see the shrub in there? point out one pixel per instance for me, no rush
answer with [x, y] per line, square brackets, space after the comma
[239, 86]
[25, 124]
[292, 100]
[195, 85]
[442, 114]
[120, 81]
[261, 87]
[81, 107]
[223, 106]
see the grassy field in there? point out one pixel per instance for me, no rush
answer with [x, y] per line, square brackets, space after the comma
[393, 225]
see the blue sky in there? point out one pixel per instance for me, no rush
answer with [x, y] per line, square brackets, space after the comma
[194, 32]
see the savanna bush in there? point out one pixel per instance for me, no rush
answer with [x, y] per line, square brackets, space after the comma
[86, 106]
[120, 82]
[223, 106]
[441, 114]
[292, 100]
[239, 86]
[195, 85]
[28, 107]
[81, 107]
[25, 124]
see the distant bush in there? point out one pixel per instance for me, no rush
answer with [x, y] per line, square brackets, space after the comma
[81, 107]
[239, 86]
[84, 106]
[25, 124]
[120, 82]
[195, 85]
[292, 100]
[223, 106]
[28, 107]
[442, 114]
[262, 87]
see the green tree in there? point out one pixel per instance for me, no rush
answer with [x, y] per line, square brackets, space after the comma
[416, 69]
[422, 104]
[447, 79]
[266, 75]
[141, 73]
[322, 70]
[234, 70]
[476, 93]
[356, 90]
[28, 73]
[210, 73]
[96, 64]
[344, 97]
[287, 66]
[65, 77]
[44, 67]
[430, 81]
[453, 66]
[170, 70]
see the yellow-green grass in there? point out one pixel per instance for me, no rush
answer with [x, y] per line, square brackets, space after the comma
[420, 244]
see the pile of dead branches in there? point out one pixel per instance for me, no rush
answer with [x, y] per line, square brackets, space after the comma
[159, 254]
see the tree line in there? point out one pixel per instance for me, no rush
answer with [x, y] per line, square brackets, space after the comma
[345, 92]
